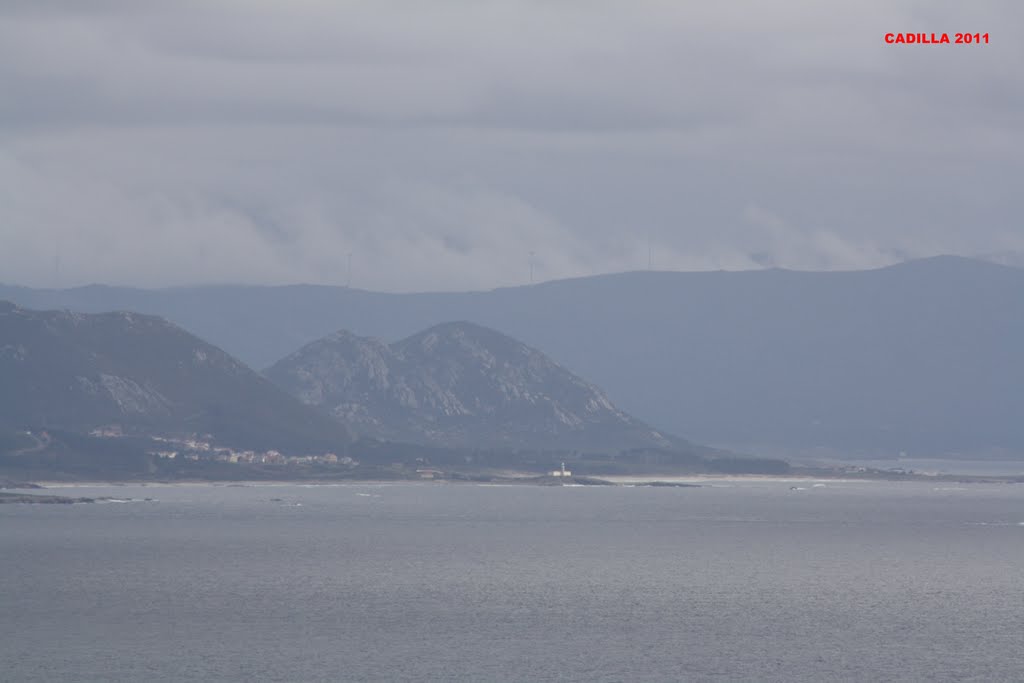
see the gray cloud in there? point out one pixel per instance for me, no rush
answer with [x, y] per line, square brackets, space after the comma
[170, 143]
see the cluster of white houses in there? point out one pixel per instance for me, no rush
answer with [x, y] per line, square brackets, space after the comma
[229, 455]
[199, 449]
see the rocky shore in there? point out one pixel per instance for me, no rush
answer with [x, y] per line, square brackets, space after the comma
[42, 499]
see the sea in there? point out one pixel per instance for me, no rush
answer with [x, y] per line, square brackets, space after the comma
[740, 579]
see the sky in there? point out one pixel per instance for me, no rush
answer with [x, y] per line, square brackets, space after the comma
[463, 144]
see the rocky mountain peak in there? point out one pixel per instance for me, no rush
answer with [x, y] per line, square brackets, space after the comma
[458, 384]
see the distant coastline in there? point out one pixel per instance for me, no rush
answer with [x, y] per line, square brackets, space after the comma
[681, 480]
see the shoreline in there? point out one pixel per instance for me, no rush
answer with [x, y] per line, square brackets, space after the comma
[67, 492]
[532, 479]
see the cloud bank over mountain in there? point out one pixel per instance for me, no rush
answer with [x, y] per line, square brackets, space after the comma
[157, 144]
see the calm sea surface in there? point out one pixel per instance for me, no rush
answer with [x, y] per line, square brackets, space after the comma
[740, 581]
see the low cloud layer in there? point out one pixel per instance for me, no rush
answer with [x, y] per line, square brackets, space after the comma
[441, 145]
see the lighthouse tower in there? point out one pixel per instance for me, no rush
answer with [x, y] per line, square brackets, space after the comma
[561, 472]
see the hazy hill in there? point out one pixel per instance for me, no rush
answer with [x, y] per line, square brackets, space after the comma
[76, 372]
[461, 385]
[924, 356]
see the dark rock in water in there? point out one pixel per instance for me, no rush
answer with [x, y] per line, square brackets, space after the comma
[590, 481]
[670, 484]
[11, 484]
[44, 500]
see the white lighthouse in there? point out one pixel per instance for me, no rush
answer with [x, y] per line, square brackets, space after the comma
[562, 472]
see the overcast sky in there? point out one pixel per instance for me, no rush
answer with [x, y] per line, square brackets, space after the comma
[440, 143]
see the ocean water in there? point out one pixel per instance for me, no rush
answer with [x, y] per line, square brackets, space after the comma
[737, 581]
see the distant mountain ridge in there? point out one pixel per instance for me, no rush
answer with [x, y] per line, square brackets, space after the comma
[78, 372]
[459, 385]
[923, 357]
[1010, 258]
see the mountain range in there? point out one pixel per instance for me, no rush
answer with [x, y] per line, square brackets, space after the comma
[123, 395]
[459, 385]
[924, 357]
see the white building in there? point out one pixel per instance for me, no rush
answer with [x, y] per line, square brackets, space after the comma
[560, 472]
